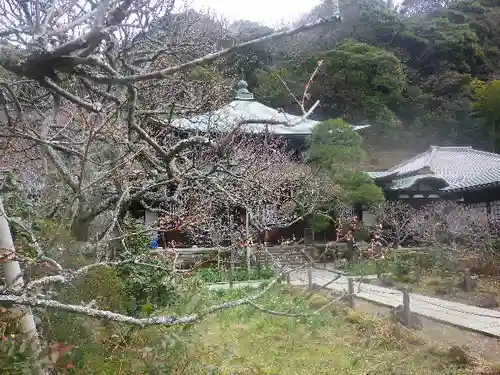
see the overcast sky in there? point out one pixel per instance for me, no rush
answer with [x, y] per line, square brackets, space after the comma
[268, 12]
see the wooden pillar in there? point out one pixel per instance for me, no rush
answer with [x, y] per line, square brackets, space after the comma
[151, 220]
[467, 280]
[378, 269]
[355, 255]
[406, 307]
[418, 271]
[150, 217]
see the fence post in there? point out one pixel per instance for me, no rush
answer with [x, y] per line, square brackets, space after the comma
[467, 280]
[288, 281]
[309, 279]
[406, 307]
[350, 292]
[378, 269]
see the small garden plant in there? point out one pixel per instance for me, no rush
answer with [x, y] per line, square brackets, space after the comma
[215, 275]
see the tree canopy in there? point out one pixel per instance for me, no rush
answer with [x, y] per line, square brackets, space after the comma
[358, 82]
[486, 104]
[337, 148]
[407, 70]
[335, 144]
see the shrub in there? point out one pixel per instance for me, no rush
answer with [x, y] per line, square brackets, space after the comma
[102, 285]
[214, 275]
[401, 267]
[148, 285]
[363, 234]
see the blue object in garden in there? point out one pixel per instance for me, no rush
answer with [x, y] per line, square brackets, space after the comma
[154, 243]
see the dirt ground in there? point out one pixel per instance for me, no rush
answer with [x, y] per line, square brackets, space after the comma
[440, 334]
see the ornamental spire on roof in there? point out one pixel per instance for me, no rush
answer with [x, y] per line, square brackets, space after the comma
[242, 92]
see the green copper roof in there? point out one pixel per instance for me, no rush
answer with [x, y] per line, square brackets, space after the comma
[245, 107]
[242, 92]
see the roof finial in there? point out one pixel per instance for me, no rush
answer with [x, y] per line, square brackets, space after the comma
[242, 92]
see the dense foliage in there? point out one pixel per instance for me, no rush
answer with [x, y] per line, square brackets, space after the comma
[214, 275]
[411, 72]
[337, 148]
[420, 74]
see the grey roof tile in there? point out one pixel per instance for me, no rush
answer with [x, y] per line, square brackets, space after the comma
[407, 182]
[380, 174]
[460, 167]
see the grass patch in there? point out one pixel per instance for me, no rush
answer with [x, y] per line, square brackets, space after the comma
[215, 275]
[245, 341]
[399, 263]
[485, 292]
[362, 269]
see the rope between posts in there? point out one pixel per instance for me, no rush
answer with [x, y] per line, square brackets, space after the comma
[381, 292]
[329, 270]
[416, 297]
[421, 298]
[305, 281]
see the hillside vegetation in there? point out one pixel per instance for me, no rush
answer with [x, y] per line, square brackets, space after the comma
[420, 74]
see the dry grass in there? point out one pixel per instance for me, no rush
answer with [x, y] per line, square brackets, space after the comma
[336, 342]
[243, 341]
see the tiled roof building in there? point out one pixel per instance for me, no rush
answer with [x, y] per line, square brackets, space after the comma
[457, 173]
[244, 107]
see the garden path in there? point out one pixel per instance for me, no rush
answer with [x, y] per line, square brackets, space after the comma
[470, 317]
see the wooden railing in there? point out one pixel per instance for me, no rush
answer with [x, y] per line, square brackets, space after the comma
[260, 254]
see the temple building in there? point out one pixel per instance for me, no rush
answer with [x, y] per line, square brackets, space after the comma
[461, 174]
[245, 107]
[295, 129]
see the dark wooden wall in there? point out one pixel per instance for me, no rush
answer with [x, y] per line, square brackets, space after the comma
[484, 194]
